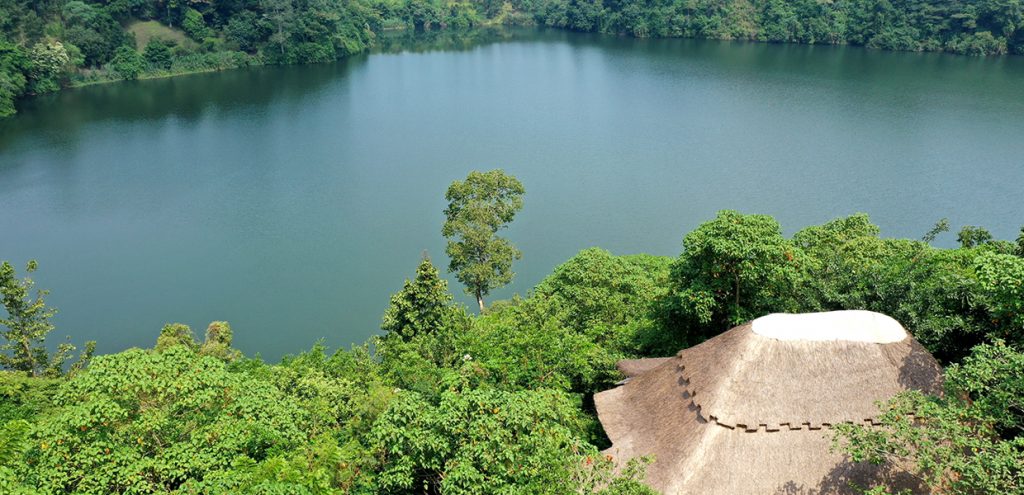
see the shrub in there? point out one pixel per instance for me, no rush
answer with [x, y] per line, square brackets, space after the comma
[127, 63]
[194, 25]
[144, 421]
[158, 54]
[478, 442]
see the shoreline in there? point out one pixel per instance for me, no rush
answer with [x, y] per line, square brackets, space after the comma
[149, 77]
[499, 25]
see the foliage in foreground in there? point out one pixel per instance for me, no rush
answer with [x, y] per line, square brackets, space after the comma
[445, 402]
[146, 421]
[175, 421]
[968, 442]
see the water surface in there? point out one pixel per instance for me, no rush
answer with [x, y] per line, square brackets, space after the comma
[291, 201]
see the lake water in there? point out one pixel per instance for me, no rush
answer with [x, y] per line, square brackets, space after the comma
[292, 201]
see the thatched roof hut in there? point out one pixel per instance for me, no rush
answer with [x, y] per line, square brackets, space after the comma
[748, 411]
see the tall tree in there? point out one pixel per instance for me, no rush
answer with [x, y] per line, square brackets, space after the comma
[477, 209]
[49, 61]
[280, 14]
[733, 268]
[27, 322]
[14, 63]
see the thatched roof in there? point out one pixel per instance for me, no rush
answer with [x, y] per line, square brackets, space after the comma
[748, 412]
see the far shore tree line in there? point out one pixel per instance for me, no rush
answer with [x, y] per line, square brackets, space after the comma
[49, 44]
[450, 402]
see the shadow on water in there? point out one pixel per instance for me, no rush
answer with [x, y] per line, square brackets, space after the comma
[456, 40]
[420, 41]
[66, 115]
[839, 62]
[192, 97]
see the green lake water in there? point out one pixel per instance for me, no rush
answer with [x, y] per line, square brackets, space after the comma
[292, 201]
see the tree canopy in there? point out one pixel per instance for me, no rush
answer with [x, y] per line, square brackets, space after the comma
[478, 208]
[421, 307]
[733, 269]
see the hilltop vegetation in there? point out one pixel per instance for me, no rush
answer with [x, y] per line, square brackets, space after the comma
[49, 44]
[449, 402]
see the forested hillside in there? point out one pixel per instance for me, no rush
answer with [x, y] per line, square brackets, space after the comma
[449, 402]
[967, 27]
[49, 44]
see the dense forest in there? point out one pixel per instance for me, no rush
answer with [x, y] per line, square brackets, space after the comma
[49, 44]
[448, 401]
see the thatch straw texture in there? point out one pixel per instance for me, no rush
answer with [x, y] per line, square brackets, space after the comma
[747, 414]
[634, 367]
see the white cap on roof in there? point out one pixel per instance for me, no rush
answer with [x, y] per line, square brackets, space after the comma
[853, 325]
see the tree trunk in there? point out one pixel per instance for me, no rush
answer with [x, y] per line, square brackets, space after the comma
[737, 291]
[27, 348]
[480, 301]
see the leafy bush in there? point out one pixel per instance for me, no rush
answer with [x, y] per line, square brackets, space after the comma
[144, 421]
[158, 54]
[198, 62]
[127, 63]
[421, 325]
[478, 441]
[13, 442]
[517, 347]
[92, 29]
[611, 299]
[194, 24]
[49, 62]
[342, 395]
[596, 289]
[423, 306]
[247, 30]
[592, 311]
[24, 397]
[978, 43]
